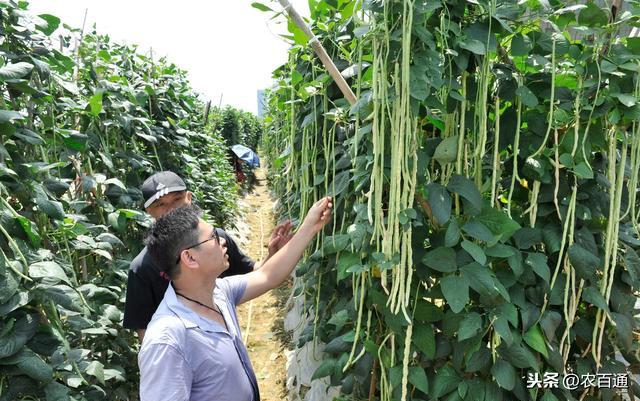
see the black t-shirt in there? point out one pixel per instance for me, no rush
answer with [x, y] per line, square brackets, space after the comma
[146, 283]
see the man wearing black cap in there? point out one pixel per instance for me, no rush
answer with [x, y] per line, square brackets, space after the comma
[146, 284]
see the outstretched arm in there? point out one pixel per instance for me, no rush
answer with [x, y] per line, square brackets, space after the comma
[278, 267]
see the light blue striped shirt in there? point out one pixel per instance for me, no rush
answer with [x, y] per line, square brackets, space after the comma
[185, 356]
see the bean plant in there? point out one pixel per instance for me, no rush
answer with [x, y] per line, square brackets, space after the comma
[83, 121]
[486, 220]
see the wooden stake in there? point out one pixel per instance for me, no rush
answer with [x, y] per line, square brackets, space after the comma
[320, 52]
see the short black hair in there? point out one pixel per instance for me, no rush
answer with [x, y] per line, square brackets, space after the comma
[170, 234]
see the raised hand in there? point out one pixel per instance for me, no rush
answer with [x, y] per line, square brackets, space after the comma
[279, 237]
[319, 214]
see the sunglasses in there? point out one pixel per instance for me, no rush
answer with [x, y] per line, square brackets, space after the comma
[214, 236]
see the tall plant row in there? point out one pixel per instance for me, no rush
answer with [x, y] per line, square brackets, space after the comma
[81, 126]
[487, 225]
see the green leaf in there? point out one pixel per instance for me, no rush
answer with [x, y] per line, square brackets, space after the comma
[456, 291]
[96, 369]
[624, 330]
[626, 99]
[15, 71]
[467, 189]
[261, 7]
[538, 263]
[520, 45]
[632, 264]
[440, 203]
[52, 23]
[339, 184]
[592, 16]
[427, 312]
[335, 243]
[442, 259]
[55, 391]
[593, 296]
[584, 261]
[346, 261]
[475, 251]
[470, 326]
[49, 270]
[9, 116]
[447, 150]
[478, 231]
[445, 381]
[474, 46]
[31, 230]
[533, 337]
[520, 357]
[482, 280]
[339, 319]
[527, 97]
[418, 378]
[452, 235]
[500, 251]
[29, 136]
[95, 102]
[526, 237]
[31, 364]
[582, 170]
[22, 331]
[498, 222]
[424, 339]
[505, 374]
[501, 325]
[51, 208]
[326, 368]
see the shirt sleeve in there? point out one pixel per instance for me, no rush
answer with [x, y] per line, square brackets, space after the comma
[138, 305]
[164, 374]
[239, 262]
[234, 287]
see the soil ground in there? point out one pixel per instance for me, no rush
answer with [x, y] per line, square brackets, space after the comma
[261, 320]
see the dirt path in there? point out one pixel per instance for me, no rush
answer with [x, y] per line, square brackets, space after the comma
[261, 320]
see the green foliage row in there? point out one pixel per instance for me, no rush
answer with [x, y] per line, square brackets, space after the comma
[79, 132]
[511, 132]
[237, 126]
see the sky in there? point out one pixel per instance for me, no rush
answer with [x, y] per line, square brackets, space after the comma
[228, 47]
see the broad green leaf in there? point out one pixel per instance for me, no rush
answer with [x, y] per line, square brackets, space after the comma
[478, 231]
[49, 270]
[593, 296]
[15, 71]
[527, 97]
[8, 283]
[96, 369]
[339, 184]
[22, 331]
[29, 136]
[504, 373]
[32, 365]
[49, 25]
[339, 319]
[445, 381]
[456, 291]
[498, 222]
[474, 46]
[467, 189]
[584, 261]
[30, 229]
[452, 235]
[632, 263]
[624, 330]
[627, 99]
[538, 262]
[335, 243]
[9, 115]
[418, 378]
[526, 237]
[470, 326]
[533, 337]
[55, 391]
[326, 368]
[501, 325]
[95, 102]
[475, 251]
[427, 312]
[261, 7]
[440, 203]
[592, 15]
[51, 208]
[500, 251]
[520, 357]
[424, 339]
[447, 150]
[442, 259]
[346, 261]
[582, 170]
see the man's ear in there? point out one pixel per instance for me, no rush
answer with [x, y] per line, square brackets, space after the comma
[187, 260]
[189, 196]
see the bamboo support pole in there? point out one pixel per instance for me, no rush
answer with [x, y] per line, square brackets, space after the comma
[320, 52]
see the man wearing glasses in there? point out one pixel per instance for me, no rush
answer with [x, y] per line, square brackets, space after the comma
[146, 284]
[193, 348]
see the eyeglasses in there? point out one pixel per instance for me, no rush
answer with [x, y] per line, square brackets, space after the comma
[214, 236]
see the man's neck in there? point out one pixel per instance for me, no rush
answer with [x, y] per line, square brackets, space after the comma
[199, 290]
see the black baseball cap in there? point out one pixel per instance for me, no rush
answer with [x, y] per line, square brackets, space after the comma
[160, 184]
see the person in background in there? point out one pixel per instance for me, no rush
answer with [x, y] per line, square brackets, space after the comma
[146, 283]
[193, 347]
